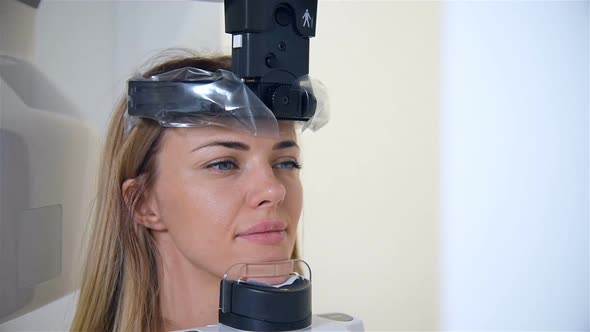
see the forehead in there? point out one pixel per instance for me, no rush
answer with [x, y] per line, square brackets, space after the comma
[198, 135]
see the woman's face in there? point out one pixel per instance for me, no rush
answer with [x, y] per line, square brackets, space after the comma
[228, 197]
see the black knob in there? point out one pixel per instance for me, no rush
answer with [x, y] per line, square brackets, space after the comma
[283, 15]
[282, 46]
[271, 60]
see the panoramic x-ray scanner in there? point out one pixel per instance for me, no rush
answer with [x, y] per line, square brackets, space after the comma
[45, 154]
[48, 155]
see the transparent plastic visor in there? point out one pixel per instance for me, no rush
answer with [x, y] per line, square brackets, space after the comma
[192, 97]
[271, 274]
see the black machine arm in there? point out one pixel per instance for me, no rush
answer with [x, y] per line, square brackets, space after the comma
[270, 55]
[270, 51]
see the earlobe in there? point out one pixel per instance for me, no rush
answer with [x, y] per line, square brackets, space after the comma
[146, 211]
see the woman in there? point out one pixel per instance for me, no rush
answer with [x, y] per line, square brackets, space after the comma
[175, 208]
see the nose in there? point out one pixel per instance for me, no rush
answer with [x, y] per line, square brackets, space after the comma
[265, 189]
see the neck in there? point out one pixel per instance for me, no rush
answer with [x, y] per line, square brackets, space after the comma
[189, 296]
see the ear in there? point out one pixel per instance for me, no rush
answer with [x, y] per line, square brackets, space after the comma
[146, 212]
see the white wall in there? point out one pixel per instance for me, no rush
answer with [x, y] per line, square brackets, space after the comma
[515, 171]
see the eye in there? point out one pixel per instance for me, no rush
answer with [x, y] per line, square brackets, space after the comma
[223, 165]
[291, 164]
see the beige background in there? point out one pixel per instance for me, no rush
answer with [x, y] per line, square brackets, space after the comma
[370, 175]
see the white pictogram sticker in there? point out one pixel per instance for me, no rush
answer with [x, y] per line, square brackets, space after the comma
[307, 19]
[237, 41]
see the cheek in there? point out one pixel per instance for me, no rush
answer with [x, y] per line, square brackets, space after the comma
[293, 199]
[199, 215]
[185, 201]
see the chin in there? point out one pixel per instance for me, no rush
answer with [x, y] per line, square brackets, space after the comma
[263, 254]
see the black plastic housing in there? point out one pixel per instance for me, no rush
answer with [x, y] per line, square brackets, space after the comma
[270, 51]
[274, 35]
[260, 308]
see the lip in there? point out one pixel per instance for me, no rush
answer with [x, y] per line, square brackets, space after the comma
[266, 232]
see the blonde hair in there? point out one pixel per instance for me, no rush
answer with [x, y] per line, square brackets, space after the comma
[120, 287]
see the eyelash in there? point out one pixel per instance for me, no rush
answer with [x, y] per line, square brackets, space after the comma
[215, 165]
[294, 164]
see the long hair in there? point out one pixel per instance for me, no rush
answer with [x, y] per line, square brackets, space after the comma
[120, 286]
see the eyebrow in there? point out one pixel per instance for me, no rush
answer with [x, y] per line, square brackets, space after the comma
[243, 147]
[285, 145]
[226, 144]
